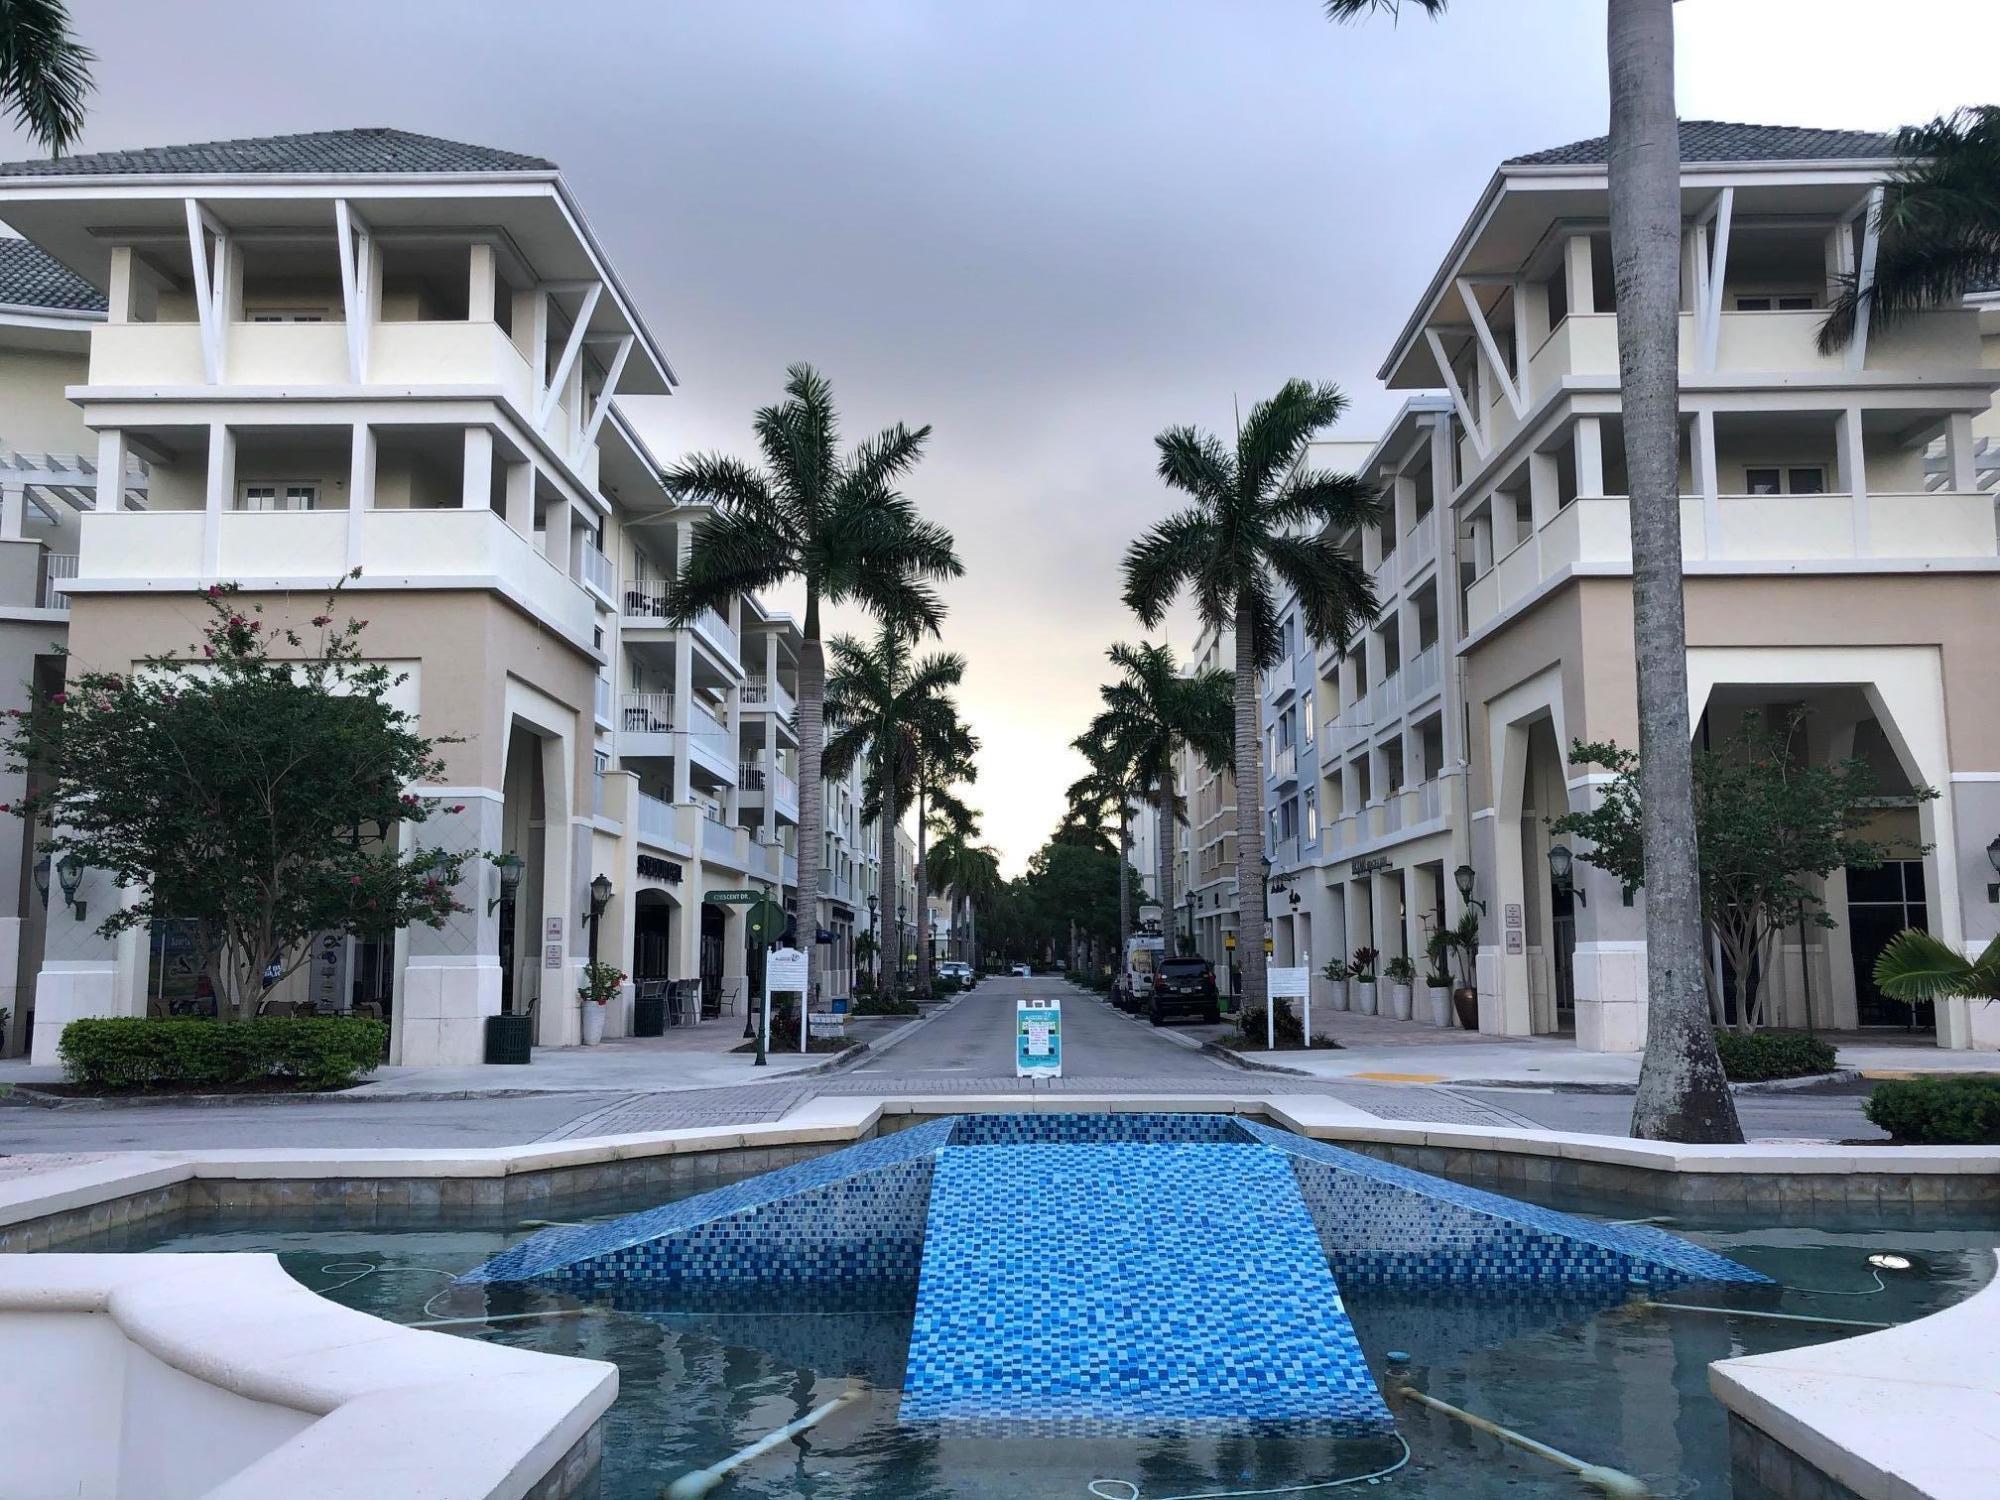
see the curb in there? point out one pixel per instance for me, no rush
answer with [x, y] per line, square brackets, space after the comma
[1763, 1086]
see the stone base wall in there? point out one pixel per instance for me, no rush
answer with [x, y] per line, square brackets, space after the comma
[575, 1475]
[1761, 1465]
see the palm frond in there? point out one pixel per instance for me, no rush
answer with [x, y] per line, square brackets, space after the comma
[1196, 463]
[1348, 10]
[1160, 562]
[1323, 498]
[734, 552]
[44, 72]
[1915, 967]
[1279, 427]
[1337, 599]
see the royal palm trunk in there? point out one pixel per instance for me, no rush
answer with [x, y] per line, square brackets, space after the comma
[1124, 880]
[923, 874]
[1682, 1095]
[812, 817]
[1250, 918]
[1164, 863]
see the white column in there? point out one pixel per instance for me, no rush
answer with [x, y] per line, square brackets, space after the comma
[480, 287]
[110, 469]
[1588, 441]
[13, 511]
[684, 690]
[1958, 447]
[118, 297]
[219, 495]
[1544, 489]
[1854, 475]
[476, 485]
[555, 533]
[1577, 274]
[360, 489]
[1707, 483]
[520, 497]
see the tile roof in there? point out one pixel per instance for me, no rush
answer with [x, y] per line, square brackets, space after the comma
[1720, 140]
[337, 152]
[30, 277]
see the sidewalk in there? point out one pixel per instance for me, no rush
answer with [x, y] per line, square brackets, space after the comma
[687, 1057]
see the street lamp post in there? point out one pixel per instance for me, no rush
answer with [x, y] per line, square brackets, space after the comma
[875, 934]
[600, 897]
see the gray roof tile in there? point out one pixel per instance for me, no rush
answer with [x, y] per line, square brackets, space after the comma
[1720, 140]
[335, 152]
[30, 277]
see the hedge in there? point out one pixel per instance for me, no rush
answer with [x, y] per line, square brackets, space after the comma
[1755, 1056]
[130, 1053]
[1961, 1110]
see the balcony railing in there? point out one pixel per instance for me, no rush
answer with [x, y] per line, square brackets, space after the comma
[656, 821]
[1420, 674]
[762, 693]
[716, 629]
[1285, 764]
[598, 574]
[56, 568]
[646, 713]
[644, 599]
[718, 839]
[1422, 543]
[603, 703]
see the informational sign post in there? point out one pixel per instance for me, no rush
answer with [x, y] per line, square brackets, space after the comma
[1286, 984]
[1038, 1039]
[788, 969]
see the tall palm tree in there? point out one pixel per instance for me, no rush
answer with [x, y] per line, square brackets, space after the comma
[1682, 1094]
[1104, 793]
[1262, 522]
[874, 696]
[942, 748]
[1150, 713]
[1939, 224]
[970, 871]
[837, 523]
[44, 71]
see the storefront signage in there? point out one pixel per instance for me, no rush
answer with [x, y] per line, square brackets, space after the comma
[1514, 940]
[786, 970]
[552, 930]
[652, 867]
[552, 956]
[1038, 1039]
[1369, 865]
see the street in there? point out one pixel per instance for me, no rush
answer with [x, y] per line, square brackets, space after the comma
[967, 1048]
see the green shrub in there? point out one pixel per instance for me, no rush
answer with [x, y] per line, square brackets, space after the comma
[124, 1053]
[1961, 1110]
[1755, 1056]
[882, 1005]
[1250, 1029]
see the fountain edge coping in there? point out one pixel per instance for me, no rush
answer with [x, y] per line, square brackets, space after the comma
[1833, 1404]
[396, 1410]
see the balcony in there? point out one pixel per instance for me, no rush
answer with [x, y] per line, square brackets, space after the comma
[646, 724]
[1791, 533]
[598, 574]
[721, 842]
[603, 703]
[161, 551]
[1386, 701]
[56, 569]
[1421, 544]
[1285, 765]
[1421, 674]
[643, 602]
[711, 627]
[1285, 853]
[758, 783]
[766, 696]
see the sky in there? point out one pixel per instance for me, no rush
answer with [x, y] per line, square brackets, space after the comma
[1048, 228]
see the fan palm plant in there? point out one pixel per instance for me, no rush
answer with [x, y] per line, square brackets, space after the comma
[837, 523]
[1939, 224]
[1150, 713]
[1263, 521]
[44, 71]
[1682, 1094]
[874, 697]
[1916, 967]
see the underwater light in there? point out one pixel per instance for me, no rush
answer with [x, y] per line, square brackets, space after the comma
[1886, 1262]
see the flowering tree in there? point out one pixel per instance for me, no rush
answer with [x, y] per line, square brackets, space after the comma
[247, 788]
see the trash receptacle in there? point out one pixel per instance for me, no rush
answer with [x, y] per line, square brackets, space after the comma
[508, 1039]
[649, 1009]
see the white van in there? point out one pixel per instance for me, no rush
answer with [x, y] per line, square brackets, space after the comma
[1144, 953]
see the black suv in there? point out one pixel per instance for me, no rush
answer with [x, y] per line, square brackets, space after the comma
[1186, 987]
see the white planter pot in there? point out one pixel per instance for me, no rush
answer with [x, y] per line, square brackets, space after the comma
[1438, 1007]
[593, 1023]
[1364, 997]
[1399, 1001]
[1336, 990]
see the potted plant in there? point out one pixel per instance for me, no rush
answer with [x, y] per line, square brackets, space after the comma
[601, 983]
[1337, 973]
[1402, 977]
[1464, 941]
[1364, 980]
[1437, 978]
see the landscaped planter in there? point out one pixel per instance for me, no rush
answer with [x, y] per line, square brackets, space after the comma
[1364, 997]
[1399, 1000]
[1437, 1004]
[593, 1023]
[1465, 1001]
[1336, 991]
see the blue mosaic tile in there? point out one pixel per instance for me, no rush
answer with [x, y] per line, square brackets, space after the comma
[1388, 1226]
[853, 1217]
[1081, 1289]
[1097, 1129]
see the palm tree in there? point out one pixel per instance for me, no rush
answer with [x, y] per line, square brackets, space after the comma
[970, 871]
[840, 525]
[44, 71]
[1939, 224]
[1916, 967]
[1106, 791]
[1149, 715]
[1682, 1094]
[942, 749]
[874, 696]
[1262, 522]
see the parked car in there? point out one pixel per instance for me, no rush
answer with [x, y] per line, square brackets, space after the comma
[1134, 980]
[1021, 971]
[1183, 986]
[955, 968]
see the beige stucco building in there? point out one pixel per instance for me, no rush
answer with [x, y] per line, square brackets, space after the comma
[1838, 526]
[271, 362]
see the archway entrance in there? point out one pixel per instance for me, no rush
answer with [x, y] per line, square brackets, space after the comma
[710, 957]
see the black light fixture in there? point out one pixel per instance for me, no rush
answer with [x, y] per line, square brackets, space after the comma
[1561, 864]
[510, 866]
[69, 872]
[1993, 859]
[42, 868]
[1463, 878]
[600, 895]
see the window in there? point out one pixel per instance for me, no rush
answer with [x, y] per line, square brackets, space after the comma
[1776, 302]
[1312, 817]
[280, 497]
[288, 315]
[1306, 722]
[1772, 480]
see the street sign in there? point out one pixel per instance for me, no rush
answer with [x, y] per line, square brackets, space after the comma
[1038, 1039]
[786, 969]
[1287, 983]
[733, 898]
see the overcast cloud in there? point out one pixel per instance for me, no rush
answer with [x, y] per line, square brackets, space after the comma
[1048, 229]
